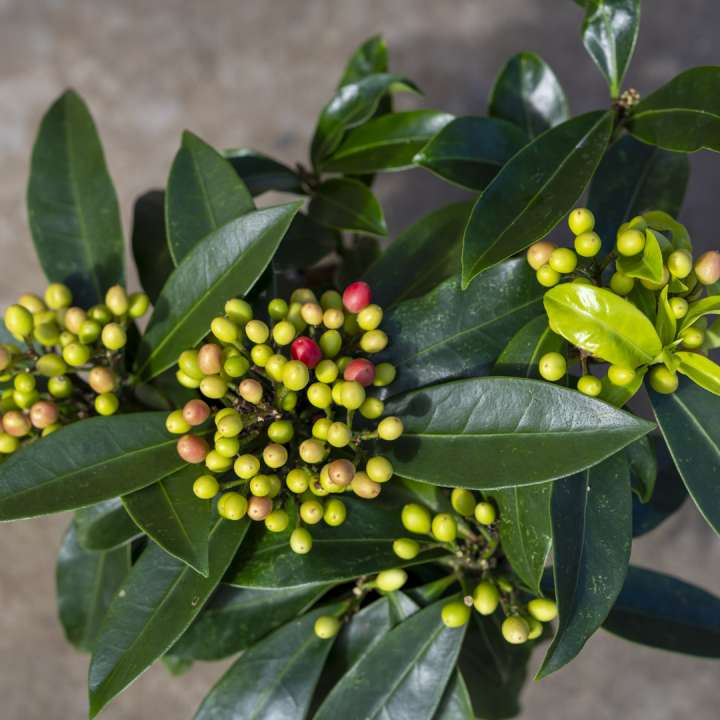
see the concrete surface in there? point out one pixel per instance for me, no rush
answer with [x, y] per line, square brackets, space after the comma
[256, 73]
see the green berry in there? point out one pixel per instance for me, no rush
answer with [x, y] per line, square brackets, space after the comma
[384, 374]
[542, 609]
[679, 307]
[311, 512]
[226, 331]
[462, 501]
[260, 486]
[416, 519]
[692, 338]
[206, 487]
[320, 428]
[620, 375]
[335, 512]
[333, 319]
[311, 313]
[24, 382]
[536, 628]
[337, 392]
[43, 414]
[106, 404]
[277, 521]
[209, 361]
[326, 371]
[319, 395]
[312, 451]
[232, 506]
[330, 343]
[257, 331]
[274, 365]
[75, 354]
[338, 435]
[89, 331]
[74, 318]
[621, 284]
[16, 424]
[251, 391]
[58, 296]
[390, 580]
[215, 462]
[32, 303]
[515, 630]
[547, 277]
[485, 513]
[455, 614]
[8, 443]
[662, 380]
[281, 431]
[331, 299]
[239, 311]
[213, 387]
[373, 341]
[589, 385]
[275, 455]
[341, 472]
[630, 242]
[581, 220]
[327, 627]
[370, 317]
[228, 447]
[246, 467]
[552, 366]
[19, 321]
[117, 300]
[101, 313]
[390, 428]
[352, 394]
[300, 541]
[261, 354]
[588, 244]
[297, 480]
[113, 336]
[230, 425]
[295, 375]
[680, 263]
[406, 548]
[303, 295]
[486, 598]
[176, 423]
[236, 366]
[379, 469]
[372, 408]
[444, 527]
[138, 304]
[283, 333]
[563, 260]
[60, 387]
[278, 309]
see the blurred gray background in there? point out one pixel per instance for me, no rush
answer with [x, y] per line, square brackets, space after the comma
[256, 73]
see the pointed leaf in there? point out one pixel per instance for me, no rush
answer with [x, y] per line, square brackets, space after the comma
[620, 395]
[707, 306]
[347, 204]
[87, 462]
[665, 322]
[648, 265]
[370, 58]
[494, 433]
[700, 369]
[470, 151]
[534, 191]
[86, 584]
[73, 208]
[592, 534]
[261, 173]
[527, 93]
[455, 703]
[226, 264]
[105, 526]
[521, 356]
[155, 605]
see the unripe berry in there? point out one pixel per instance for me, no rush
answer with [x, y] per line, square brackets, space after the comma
[259, 507]
[327, 627]
[89, 331]
[229, 425]
[32, 303]
[8, 444]
[261, 354]
[679, 307]
[236, 366]
[335, 513]
[277, 309]
[176, 423]
[444, 527]
[650, 285]
[19, 321]
[333, 319]
[251, 391]
[213, 387]
[373, 341]
[320, 428]
[224, 330]
[581, 220]
[462, 501]
[364, 487]
[406, 548]
[390, 428]
[384, 374]
[246, 467]
[117, 300]
[303, 295]
[283, 333]
[300, 541]
[338, 434]
[542, 609]
[692, 338]
[6, 360]
[295, 375]
[547, 277]
[589, 385]
[239, 311]
[206, 487]
[281, 431]
[24, 382]
[588, 244]
[662, 380]
[43, 414]
[391, 580]
[297, 480]
[228, 447]
[341, 472]
[232, 506]
[416, 519]
[16, 424]
[103, 380]
[330, 343]
[630, 242]
[75, 354]
[455, 614]
[58, 296]
[370, 317]
[138, 304]
[319, 395]
[25, 399]
[485, 513]
[563, 260]
[60, 387]
[707, 267]
[113, 336]
[372, 408]
[621, 284]
[331, 299]
[209, 360]
[295, 317]
[679, 263]
[312, 314]
[311, 451]
[620, 375]
[277, 521]
[536, 628]
[257, 331]
[217, 462]
[306, 351]
[552, 366]
[74, 318]
[360, 370]
[352, 395]
[539, 253]
[192, 449]
[379, 469]
[311, 512]
[486, 598]
[275, 455]
[260, 486]
[515, 630]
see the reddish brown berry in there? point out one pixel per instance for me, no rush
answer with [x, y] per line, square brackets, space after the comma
[259, 507]
[196, 412]
[192, 449]
[360, 370]
[341, 472]
[43, 413]
[210, 359]
[15, 423]
[357, 296]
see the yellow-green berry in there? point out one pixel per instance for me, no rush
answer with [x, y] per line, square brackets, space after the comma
[589, 385]
[113, 336]
[542, 609]
[620, 375]
[455, 614]
[335, 512]
[581, 220]
[416, 519]
[406, 548]
[463, 501]
[588, 244]
[621, 284]
[563, 260]
[515, 630]
[547, 277]
[486, 597]
[327, 627]
[630, 242]
[390, 428]
[206, 487]
[300, 541]
[106, 404]
[232, 506]
[391, 580]
[552, 366]
[444, 527]
[485, 513]
[662, 380]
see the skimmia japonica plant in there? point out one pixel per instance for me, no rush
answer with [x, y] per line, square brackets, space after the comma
[348, 466]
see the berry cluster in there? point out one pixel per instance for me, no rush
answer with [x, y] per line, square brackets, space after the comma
[67, 363]
[684, 282]
[283, 397]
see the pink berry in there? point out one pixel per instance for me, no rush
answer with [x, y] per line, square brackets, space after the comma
[196, 412]
[360, 370]
[357, 296]
[192, 449]
[306, 350]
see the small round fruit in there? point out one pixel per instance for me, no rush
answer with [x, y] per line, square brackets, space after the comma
[75, 354]
[246, 467]
[229, 424]
[372, 408]
[274, 366]
[327, 627]
[535, 626]
[338, 434]
[16, 424]
[357, 296]
[547, 277]
[416, 519]
[320, 428]
[621, 284]
[390, 428]
[364, 487]
[333, 319]
[103, 380]
[373, 341]
[259, 508]
[444, 527]
[196, 412]
[74, 318]
[539, 253]
[341, 472]
[563, 260]
[370, 317]
[311, 512]
[630, 242]
[463, 501]
[277, 308]
[24, 382]
[486, 597]
[361, 371]
[19, 321]
[552, 366]
[277, 521]
[60, 387]
[295, 375]
[311, 451]
[679, 307]
[311, 313]
[49, 365]
[106, 404]
[281, 431]
[352, 394]
[58, 296]
[8, 444]
[192, 449]
[275, 455]
[406, 548]
[209, 359]
[581, 220]
[226, 331]
[455, 614]
[620, 375]
[589, 385]
[692, 338]
[206, 487]
[335, 512]
[384, 374]
[6, 359]
[113, 336]
[117, 300]
[379, 469]
[300, 541]
[138, 304]
[542, 609]
[390, 580]
[330, 343]
[213, 387]
[283, 333]
[485, 513]
[707, 267]
[326, 371]
[43, 413]
[257, 331]
[588, 244]
[261, 354]
[232, 506]
[515, 630]
[215, 461]
[239, 311]
[236, 366]
[680, 263]
[650, 285]
[297, 481]
[319, 395]
[662, 380]
[251, 391]
[260, 486]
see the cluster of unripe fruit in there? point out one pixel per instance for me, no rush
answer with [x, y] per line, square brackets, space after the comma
[67, 363]
[286, 407]
[685, 279]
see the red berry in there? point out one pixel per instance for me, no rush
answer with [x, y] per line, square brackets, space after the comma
[360, 370]
[192, 449]
[196, 412]
[306, 350]
[357, 296]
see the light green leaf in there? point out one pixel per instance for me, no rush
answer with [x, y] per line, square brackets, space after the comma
[707, 306]
[647, 265]
[619, 395]
[701, 370]
[665, 322]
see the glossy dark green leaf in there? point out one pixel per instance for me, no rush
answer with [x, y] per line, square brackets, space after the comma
[388, 142]
[469, 151]
[592, 535]
[493, 433]
[631, 178]
[609, 34]
[533, 191]
[85, 463]
[149, 242]
[364, 541]
[275, 678]
[642, 461]
[305, 243]
[72, 205]
[450, 333]
[86, 584]
[357, 257]
[689, 421]
[402, 676]
[666, 613]
[455, 703]
[419, 258]
[683, 115]
[347, 204]
[203, 194]
[522, 354]
[527, 93]
[171, 515]
[647, 265]
[105, 526]
[261, 173]
[494, 670]
[226, 264]
[370, 58]
[353, 104]
[235, 619]
[155, 605]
